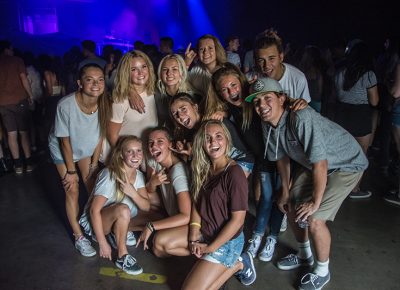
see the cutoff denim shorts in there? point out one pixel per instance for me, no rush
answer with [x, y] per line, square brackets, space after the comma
[228, 254]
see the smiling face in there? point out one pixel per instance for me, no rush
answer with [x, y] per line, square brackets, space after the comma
[269, 106]
[159, 145]
[215, 142]
[170, 74]
[207, 54]
[269, 61]
[139, 72]
[92, 82]
[230, 89]
[185, 113]
[132, 154]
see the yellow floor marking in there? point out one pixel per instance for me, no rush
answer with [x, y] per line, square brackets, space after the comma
[144, 277]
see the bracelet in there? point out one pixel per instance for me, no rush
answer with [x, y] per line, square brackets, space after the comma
[150, 226]
[195, 224]
[196, 241]
[71, 172]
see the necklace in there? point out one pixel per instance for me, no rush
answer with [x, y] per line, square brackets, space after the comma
[84, 108]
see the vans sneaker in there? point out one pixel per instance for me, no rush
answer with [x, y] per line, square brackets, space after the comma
[248, 274]
[312, 281]
[254, 245]
[128, 264]
[268, 251]
[292, 261]
[130, 239]
[360, 194]
[84, 247]
[393, 198]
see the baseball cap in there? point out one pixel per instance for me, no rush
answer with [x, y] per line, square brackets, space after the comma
[263, 85]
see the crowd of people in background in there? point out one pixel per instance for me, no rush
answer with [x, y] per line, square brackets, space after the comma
[171, 147]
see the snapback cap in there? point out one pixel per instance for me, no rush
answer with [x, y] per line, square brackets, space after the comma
[263, 85]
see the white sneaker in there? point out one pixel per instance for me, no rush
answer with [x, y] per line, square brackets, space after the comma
[84, 247]
[284, 224]
[130, 239]
[254, 245]
[268, 251]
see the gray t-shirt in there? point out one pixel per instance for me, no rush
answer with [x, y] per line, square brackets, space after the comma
[106, 186]
[82, 129]
[307, 137]
[358, 94]
[178, 178]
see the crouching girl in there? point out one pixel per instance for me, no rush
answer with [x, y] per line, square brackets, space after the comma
[118, 194]
[218, 212]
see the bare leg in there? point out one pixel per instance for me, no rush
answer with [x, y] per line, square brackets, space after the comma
[84, 165]
[300, 234]
[364, 143]
[25, 143]
[13, 144]
[171, 242]
[117, 217]
[321, 238]
[209, 276]
[71, 202]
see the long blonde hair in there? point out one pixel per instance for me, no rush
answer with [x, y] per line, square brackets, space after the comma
[183, 84]
[214, 99]
[201, 163]
[116, 164]
[122, 83]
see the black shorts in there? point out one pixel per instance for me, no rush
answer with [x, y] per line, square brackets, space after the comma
[16, 117]
[356, 119]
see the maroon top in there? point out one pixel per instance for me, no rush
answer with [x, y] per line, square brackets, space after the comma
[11, 89]
[221, 195]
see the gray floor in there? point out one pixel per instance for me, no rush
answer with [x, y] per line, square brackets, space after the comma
[37, 251]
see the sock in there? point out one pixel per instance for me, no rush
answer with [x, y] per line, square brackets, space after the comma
[322, 268]
[304, 250]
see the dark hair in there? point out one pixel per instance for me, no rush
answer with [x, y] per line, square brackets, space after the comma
[168, 41]
[358, 61]
[268, 38]
[89, 45]
[4, 44]
[230, 38]
[87, 66]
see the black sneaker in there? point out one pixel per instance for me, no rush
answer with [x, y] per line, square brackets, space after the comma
[128, 264]
[248, 274]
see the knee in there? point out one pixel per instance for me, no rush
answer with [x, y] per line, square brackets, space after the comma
[123, 212]
[160, 245]
[316, 225]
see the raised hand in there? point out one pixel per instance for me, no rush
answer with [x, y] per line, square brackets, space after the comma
[189, 55]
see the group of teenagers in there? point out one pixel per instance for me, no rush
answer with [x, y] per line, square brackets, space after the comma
[171, 156]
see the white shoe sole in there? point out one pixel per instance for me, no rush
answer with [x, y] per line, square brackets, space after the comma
[130, 272]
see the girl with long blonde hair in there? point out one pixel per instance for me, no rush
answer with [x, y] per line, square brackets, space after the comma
[219, 208]
[117, 196]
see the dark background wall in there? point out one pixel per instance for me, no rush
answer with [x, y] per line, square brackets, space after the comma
[57, 24]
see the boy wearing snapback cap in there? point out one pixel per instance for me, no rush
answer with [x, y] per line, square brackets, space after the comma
[331, 162]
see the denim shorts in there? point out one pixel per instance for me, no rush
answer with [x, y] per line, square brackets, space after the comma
[228, 254]
[246, 166]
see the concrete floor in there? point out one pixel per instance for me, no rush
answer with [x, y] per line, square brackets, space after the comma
[37, 251]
